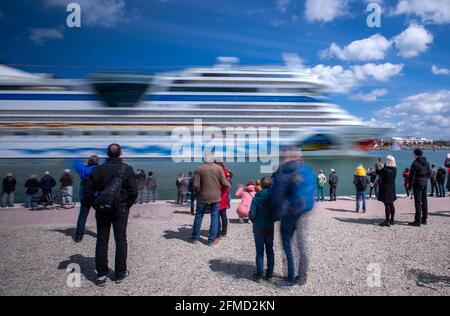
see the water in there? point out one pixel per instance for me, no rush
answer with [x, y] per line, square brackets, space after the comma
[166, 170]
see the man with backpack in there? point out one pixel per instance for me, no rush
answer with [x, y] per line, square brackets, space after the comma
[333, 181]
[112, 190]
[361, 182]
[292, 197]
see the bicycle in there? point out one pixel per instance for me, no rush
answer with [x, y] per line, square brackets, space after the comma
[60, 200]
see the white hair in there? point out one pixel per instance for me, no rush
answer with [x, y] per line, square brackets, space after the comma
[208, 156]
[390, 161]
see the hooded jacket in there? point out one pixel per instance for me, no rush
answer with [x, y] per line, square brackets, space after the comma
[419, 172]
[246, 195]
[260, 215]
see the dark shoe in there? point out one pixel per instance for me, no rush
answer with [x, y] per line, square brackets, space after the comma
[100, 281]
[120, 279]
[424, 223]
[414, 224]
[257, 278]
[357, 211]
[78, 239]
[268, 278]
[193, 241]
[385, 224]
[364, 211]
[286, 284]
[392, 222]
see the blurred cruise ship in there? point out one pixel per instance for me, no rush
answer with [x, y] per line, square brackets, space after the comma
[47, 117]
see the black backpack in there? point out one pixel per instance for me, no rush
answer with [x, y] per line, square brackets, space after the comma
[109, 198]
[361, 183]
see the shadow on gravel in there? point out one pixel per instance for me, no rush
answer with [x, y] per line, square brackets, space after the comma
[70, 232]
[340, 210]
[184, 233]
[238, 270]
[182, 212]
[368, 221]
[442, 213]
[87, 266]
[424, 279]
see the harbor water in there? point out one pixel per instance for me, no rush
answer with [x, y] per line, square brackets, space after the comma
[166, 170]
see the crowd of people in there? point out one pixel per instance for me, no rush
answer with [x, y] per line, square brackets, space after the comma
[113, 187]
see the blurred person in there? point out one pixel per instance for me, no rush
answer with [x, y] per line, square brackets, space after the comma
[257, 185]
[47, 184]
[180, 188]
[447, 165]
[373, 185]
[263, 230]
[433, 181]
[8, 188]
[209, 180]
[246, 194]
[440, 179]
[66, 181]
[192, 194]
[418, 179]
[361, 182]
[224, 204]
[321, 181]
[140, 181]
[32, 186]
[292, 197]
[387, 193]
[333, 182]
[112, 190]
[406, 182]
[150, 184]
[187, 194]
[84, 172]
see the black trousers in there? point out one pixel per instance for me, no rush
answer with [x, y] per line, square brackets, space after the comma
[434, 187]
[223, 222]
[441, 189]
[421, 203]
[119, 221]
[333, 188]
[389, 210]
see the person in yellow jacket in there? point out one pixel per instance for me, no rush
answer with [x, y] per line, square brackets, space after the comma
[361, 182]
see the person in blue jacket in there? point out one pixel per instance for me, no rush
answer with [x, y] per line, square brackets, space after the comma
[84, 171]
[263, 229]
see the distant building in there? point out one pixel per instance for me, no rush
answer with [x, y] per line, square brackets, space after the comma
[412, 141]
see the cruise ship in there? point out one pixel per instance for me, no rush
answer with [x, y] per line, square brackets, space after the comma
[46, 117]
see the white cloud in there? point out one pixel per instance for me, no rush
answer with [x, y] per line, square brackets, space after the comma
[413, 41]
[426, 114]
[325, 10]
[282, 5]
[440, 71]
[371, 96]
[41, 35]
[430, 11]
[343, 80]
[372, 48]
[104, 13]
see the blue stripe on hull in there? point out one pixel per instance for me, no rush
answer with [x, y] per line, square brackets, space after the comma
[158, 97]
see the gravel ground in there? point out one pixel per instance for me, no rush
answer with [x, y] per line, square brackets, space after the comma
[36, 248]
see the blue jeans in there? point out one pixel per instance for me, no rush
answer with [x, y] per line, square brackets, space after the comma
[361, 195]
[261, 243]
[200, 211]
[320, 196]
[288, 226]
[29, 201]
[82, 218]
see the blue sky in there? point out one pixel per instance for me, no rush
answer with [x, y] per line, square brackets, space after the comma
[384, 75]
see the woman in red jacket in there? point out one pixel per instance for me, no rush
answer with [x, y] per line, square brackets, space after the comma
[406, 182]
[223, 206]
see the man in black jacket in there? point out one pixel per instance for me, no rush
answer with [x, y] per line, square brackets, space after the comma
[418, 178]
[9, 187]
[118, 217]
[47, 183]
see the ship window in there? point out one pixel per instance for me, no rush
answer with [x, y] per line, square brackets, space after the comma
[53, 133]
[21, 133]
[211, 89]
[244, 75]
[115, 133]
[87, 133]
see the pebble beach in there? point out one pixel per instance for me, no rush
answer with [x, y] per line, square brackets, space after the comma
[37, 246]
